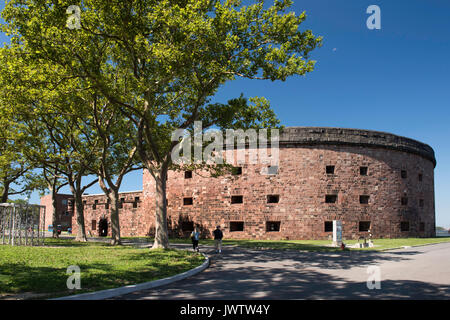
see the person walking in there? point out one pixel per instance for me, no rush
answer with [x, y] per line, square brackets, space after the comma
[194, 237]
[218, 235]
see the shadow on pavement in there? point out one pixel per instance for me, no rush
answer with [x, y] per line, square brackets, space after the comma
[249, 277]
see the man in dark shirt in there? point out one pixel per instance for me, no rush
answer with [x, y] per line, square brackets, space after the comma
[218, 235]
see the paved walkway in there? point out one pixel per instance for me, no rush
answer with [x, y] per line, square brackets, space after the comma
[237, 273]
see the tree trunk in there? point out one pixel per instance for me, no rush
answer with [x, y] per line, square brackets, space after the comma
[113, 196]
[161, 232]
[81, 232]
[55, 220]
[4, 197]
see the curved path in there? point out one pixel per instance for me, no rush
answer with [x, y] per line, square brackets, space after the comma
[237, 273]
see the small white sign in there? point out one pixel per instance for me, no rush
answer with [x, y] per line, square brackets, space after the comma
[337, 232]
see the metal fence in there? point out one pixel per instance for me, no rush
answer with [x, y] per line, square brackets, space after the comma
[22, 224]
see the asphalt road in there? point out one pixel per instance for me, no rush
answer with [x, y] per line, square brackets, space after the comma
[237, 273]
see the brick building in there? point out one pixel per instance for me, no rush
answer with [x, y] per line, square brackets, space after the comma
[369, 180]
[62, 210]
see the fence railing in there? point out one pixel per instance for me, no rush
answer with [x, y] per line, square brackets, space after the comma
[22, 224]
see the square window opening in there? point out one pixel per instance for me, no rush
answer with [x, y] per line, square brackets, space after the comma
[328, 226]
[364, 199]
[237, 199]
[330, 198]
[364, 226]
[236, 226]
[273, 226]
[188, 201]
[363, 171]
[136, 201]
[404, 226]
[187, 226]
[273, 198]
[330, 169]
[236, 171]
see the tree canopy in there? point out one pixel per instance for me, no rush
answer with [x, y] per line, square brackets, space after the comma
[152, 58]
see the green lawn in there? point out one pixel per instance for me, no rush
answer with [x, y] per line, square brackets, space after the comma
[41, 271]
[385, 244]
[319, 245]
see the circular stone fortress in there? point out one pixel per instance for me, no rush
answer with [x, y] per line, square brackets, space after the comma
[371, 181]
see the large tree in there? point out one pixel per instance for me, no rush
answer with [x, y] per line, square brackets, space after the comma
[52, 119]
[16, 171]
[17, 167]
[71, 132]
[63, 149]
[54, 182]
[173, 56]
[114, 137]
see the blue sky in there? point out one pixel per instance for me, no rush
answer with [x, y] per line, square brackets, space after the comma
[395, 79]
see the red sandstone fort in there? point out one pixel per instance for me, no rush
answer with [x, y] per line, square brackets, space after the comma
[369, 180]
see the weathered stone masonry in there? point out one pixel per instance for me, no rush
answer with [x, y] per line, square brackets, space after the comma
[64, 213]
[367, 179]
[134, 221]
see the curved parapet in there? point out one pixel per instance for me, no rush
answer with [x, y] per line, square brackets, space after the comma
[355, 137]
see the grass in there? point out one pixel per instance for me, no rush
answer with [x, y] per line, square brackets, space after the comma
[386, 244]
[41, 271]
[319, 245]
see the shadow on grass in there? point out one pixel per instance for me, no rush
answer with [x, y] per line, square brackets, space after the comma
[70, 242]
[266, 244]
[17, 278]
[318, 245]
[280, 245]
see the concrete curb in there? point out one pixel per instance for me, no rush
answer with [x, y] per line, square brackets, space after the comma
[110, 293]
